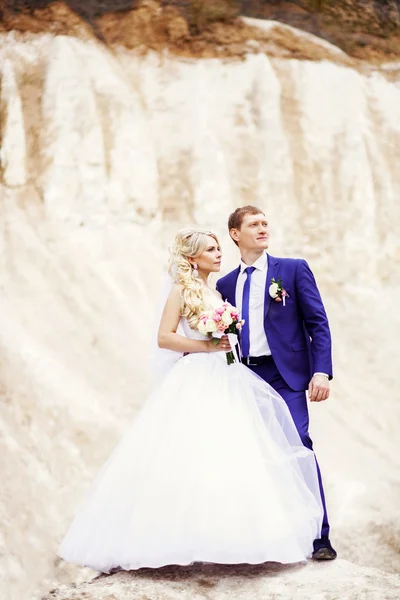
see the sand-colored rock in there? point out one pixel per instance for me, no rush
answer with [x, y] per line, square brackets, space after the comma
[105, 153]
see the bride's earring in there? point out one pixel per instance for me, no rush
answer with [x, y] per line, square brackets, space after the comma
[195, 271]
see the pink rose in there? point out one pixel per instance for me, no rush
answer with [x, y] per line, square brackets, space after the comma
[217, 318]
[284, 293]
[278, 299]
[221, 327]
[220, 310]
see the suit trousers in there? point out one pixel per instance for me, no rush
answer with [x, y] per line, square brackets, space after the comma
[297, 404]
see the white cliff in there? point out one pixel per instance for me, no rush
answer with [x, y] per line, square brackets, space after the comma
[104, 154]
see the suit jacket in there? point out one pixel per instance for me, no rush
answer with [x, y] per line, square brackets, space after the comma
[298, 333]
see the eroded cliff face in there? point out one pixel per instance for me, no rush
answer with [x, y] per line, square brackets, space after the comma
[104, 154]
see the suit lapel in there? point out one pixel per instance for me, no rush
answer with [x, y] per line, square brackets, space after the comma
[273, 267]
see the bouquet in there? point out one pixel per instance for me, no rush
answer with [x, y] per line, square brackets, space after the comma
[220, 321]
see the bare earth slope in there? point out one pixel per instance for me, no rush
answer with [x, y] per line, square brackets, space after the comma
[105, 152]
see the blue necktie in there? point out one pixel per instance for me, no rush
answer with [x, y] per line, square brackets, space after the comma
[245, 332]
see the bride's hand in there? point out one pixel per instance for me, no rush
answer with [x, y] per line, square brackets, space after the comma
[223, 345]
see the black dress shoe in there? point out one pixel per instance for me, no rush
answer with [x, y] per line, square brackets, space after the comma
[323, 549]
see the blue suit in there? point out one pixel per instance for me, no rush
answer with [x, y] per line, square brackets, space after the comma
[299, 338]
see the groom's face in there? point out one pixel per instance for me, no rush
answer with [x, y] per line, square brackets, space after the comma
[253, 233]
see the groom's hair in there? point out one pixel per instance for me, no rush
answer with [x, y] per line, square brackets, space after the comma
[236, 218]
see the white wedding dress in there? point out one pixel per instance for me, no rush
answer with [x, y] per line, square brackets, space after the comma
[211, 470]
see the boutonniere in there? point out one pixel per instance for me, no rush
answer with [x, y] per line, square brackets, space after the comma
[277, 291]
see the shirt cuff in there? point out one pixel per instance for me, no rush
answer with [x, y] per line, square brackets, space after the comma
[324, 374]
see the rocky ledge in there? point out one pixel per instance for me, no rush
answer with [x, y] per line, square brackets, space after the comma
[314, 581]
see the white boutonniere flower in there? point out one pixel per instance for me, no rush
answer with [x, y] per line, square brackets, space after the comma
[277, 291]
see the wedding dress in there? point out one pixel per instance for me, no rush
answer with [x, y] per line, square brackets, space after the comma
[212, 469]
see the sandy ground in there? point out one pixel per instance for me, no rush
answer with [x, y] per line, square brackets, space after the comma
[330, 581]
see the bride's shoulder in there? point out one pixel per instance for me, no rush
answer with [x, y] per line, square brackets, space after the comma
[176, 290]
[213, 293]
[175, 294]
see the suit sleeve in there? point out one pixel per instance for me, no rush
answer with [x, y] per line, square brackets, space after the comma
[315, 319]
[218, 287]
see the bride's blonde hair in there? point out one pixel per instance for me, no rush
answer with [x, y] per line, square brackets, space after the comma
[189, 243]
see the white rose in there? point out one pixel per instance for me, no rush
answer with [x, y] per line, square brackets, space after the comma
[202, 327]
[226, 318]
[273, 290]
[211, 326]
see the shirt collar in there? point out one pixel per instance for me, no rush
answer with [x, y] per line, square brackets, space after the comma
[259, 264]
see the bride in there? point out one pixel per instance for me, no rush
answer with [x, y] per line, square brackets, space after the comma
[212, 469]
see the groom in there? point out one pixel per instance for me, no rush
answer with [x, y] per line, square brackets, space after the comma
[285, 338]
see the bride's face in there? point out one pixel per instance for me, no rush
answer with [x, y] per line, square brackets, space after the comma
[210, 259]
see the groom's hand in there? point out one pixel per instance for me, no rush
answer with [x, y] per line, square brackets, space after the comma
[318, 389]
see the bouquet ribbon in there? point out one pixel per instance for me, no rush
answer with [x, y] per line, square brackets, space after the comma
[233, 340]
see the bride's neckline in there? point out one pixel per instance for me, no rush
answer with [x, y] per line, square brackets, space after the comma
[212, 292]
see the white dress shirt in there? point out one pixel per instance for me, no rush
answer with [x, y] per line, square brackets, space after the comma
[258, 340]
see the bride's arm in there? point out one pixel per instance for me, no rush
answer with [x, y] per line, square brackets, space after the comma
[167, 336]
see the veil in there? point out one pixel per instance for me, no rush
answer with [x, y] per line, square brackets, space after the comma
[162, 360]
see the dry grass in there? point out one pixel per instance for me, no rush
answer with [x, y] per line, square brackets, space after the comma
[57, 18]
[151, 25]
[365, 29]
[207, 28]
